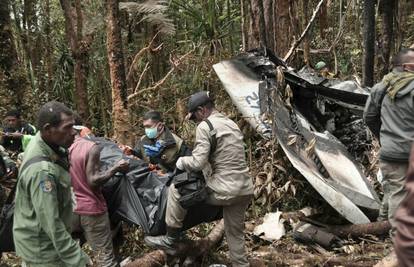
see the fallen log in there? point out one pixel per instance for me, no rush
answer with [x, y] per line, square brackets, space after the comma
[358, 230]
[152, 259]
[348, 263]
[275, 257]
[330, 261]
[192, 249]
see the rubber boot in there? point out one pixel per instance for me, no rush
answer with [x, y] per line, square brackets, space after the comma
[165, 242]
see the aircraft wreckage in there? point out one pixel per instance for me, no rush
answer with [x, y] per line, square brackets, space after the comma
[301, 110]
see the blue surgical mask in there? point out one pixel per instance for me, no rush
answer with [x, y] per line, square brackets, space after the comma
[151, 133]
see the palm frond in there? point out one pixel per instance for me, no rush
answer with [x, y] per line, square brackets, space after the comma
[164, 24]
[146, 7]
[152, 12]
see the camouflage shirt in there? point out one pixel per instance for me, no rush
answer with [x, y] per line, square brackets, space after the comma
[43, 210]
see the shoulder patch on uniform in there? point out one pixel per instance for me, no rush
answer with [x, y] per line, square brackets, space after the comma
[46, 185]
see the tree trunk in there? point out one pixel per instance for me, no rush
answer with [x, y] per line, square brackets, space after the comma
[369, 43]
[283, 29]
[27, 42]
[121, 125]
[323, 20]
[305, 31]
[33, 14]
[257, 33]
[81, 89]
[12, 77]
[8, 55]
[270, 25]
[32, 33]
[306, 49]
[231, 46]
[79, 46]
[387, 20]
[48, 47]
[268, 19]
[191, 249]
[243, 24]
[400, 7]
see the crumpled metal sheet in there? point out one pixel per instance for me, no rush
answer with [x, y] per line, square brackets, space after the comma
[240, 91]
[330, 169]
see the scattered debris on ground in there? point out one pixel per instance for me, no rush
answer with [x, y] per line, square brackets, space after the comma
[318, 134]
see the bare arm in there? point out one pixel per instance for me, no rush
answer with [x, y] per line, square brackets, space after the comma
[95, 177]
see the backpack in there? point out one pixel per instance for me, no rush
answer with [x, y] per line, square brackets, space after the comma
[192, 186]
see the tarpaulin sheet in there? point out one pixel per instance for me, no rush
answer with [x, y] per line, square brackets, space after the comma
[140, 197]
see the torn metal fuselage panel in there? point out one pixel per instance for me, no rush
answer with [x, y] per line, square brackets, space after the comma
[243, 90]
[328, 166]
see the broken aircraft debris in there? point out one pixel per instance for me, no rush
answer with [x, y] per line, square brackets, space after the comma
[301, 112]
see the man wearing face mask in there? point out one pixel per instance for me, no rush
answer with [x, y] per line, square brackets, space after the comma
[219, 153]
[159, 146]
[389, 115]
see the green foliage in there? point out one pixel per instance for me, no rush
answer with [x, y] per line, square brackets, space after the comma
[209, 21]
[210, 27]
[63, 86]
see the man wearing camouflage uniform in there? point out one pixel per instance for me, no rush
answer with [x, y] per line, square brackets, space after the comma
[43, 211]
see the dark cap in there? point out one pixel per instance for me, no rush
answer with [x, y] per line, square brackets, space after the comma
[197, 100]
[153, 115]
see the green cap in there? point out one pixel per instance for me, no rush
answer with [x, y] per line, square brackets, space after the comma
[320, 65]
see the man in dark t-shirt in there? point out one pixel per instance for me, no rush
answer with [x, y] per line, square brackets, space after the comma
[14, 130]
